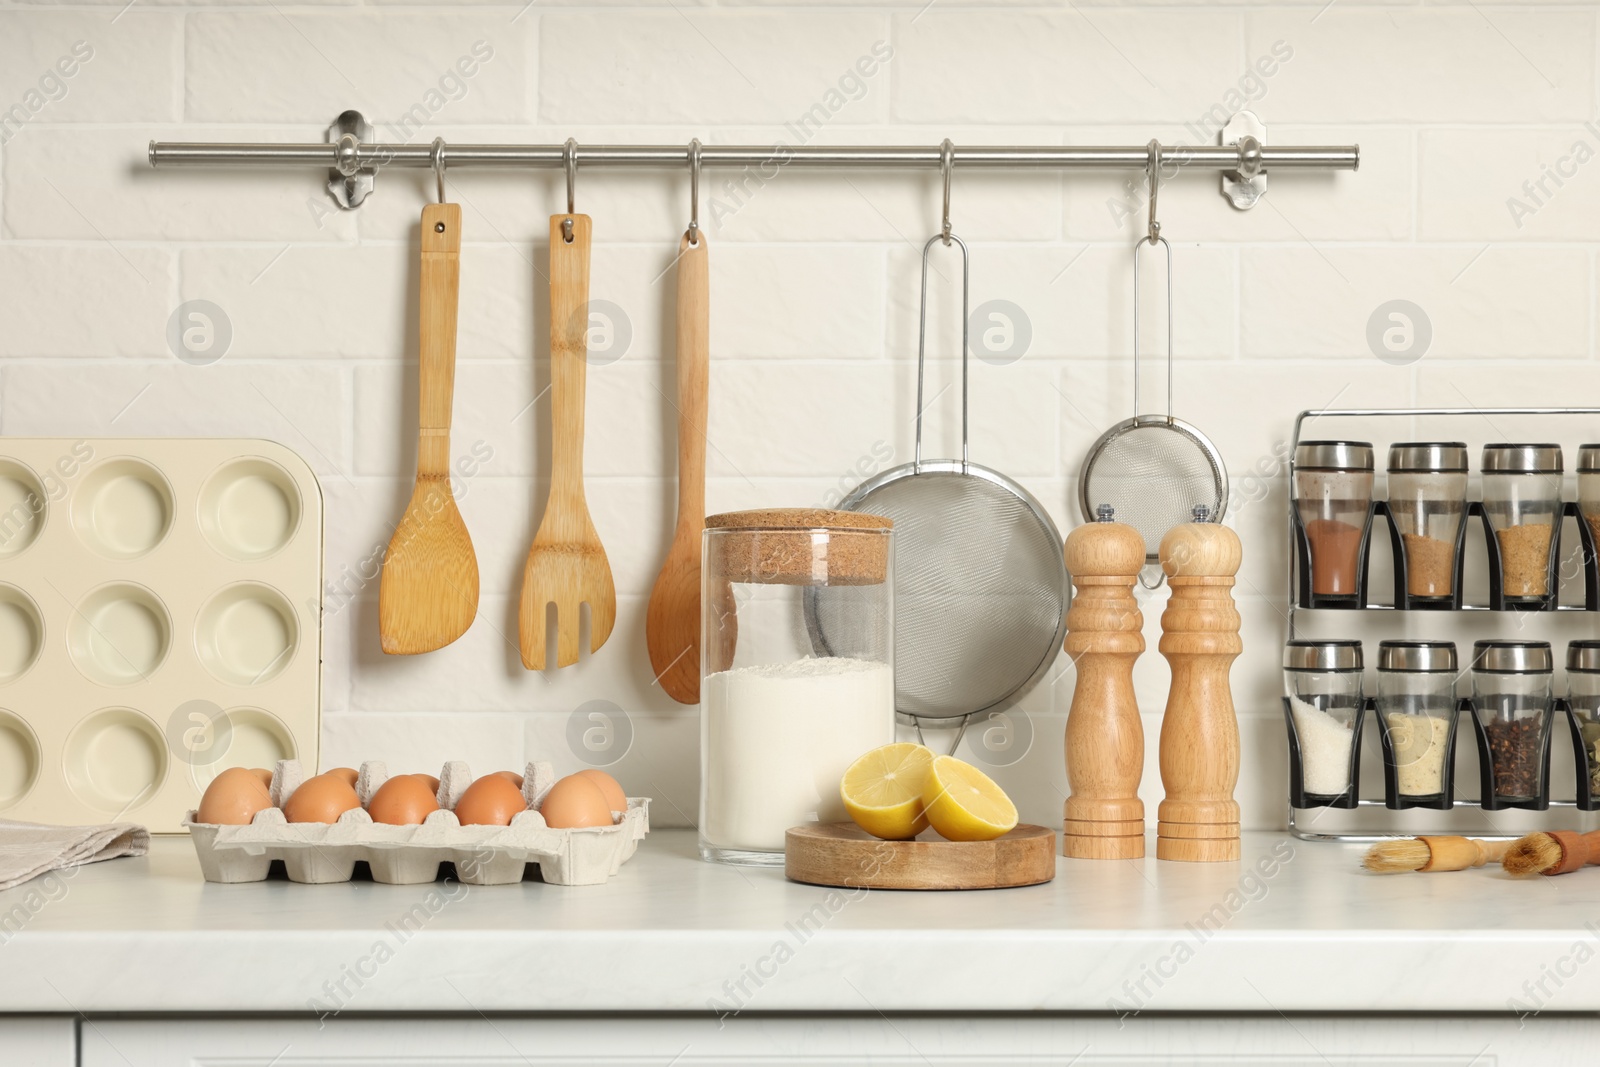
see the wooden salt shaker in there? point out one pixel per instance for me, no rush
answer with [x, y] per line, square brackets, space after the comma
[1104, 817]
[1199, 819]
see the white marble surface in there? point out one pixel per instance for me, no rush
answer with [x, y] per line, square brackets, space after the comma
[671, 933]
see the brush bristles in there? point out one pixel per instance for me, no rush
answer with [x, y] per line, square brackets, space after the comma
[1397, 856]
[1533, 854]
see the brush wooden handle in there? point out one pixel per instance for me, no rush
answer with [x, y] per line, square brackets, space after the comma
[1104, 817]
[1461, 853]
[1199, 819]
[1577, 850]
[569, 353]
[439, 288]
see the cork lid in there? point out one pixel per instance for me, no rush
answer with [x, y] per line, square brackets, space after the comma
[780, 546]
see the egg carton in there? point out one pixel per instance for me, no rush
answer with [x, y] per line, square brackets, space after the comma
[406, 855]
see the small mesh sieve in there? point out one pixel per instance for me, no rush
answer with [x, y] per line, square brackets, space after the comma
[1153, 470]
[980, 583]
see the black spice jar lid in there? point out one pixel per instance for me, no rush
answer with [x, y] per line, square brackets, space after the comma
[1589, 459]
[1428, 457]
[1333, 456]
[1583, 656]
[1417, 657]
[1332, 656]
[1512, 657]
[1522, 459]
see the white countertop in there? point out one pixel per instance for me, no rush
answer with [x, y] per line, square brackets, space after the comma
[670, 933]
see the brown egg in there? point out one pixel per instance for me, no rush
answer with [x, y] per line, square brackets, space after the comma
[511, 776]
[609, 786]
[233, 798]
[263, 774]
[429, 780]
[402, 801]
[490, 801]
[575, 801]
[347, 775]
[320, 799]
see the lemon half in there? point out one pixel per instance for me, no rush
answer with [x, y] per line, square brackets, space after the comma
[883, 791]
[964, 804]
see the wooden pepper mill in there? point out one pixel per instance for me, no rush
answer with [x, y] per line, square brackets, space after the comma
[1199, 819]
[1104, 817]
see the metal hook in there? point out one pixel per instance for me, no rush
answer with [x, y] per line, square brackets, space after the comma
[947, 163]
[694, 191]
[1154, 168]
[438, 165]
[922, 345]
[569, 156]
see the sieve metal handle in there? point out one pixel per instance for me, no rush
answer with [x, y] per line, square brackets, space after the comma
[1152, 236]
[944, 236]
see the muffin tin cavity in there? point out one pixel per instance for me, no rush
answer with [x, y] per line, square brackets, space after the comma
[123, 508]
[249, 509]
[116, 760]
[119, 634]
[257, 738]
[246, 634]
[22, 507]
[21, 636]
[147, 584]
[19, 759]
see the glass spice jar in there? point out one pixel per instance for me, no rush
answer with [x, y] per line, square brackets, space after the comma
[783, 712]
[1333, 491]
[1589, 487]
[1511, 690]
[1522, 497]
[1428, 500]
[1583, 693]
[1322, 680]
[1417, 710]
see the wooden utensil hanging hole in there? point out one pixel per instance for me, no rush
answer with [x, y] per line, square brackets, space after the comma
[438, 227]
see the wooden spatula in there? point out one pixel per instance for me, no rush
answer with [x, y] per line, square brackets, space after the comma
[567, 565]
[428, 594]
[672, 624]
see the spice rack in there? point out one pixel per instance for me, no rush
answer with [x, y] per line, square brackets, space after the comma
[1301, 598]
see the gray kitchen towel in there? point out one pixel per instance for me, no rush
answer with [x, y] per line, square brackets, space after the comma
[28, 849]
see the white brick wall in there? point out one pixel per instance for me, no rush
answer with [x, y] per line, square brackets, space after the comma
[814, 277]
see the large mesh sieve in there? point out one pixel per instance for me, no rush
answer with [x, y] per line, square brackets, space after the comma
[1153, 470]
[981, 588]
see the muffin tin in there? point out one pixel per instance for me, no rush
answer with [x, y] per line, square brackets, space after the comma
[404, 855]
[145, 586]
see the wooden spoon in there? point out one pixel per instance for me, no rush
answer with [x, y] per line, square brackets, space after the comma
[567, 564]
[672, 624]
[428, 593]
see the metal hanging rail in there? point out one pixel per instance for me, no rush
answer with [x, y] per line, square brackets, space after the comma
[363, 156]
[353, 158]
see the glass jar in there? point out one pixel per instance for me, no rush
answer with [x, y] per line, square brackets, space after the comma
[1522, 497]
[1333, 491]
[1322, 680]
[797, 658]
[1428, 499]
[1589, 487]
[1417, 708]
[1583, 693]
[1511, 688]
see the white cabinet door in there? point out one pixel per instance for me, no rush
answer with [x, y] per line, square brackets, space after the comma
[899, 1041]
[38, 1041]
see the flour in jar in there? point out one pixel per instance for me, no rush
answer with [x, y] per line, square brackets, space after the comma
[777, 739]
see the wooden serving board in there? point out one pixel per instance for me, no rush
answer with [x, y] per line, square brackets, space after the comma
[843, 854]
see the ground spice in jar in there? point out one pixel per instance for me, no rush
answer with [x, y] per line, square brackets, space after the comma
[1430, 565]
[1325, 749]
[1335, 556]
[1514, 750]
[1419, 743]
[1525, 559]
[1591, 746]
[1594, 525]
